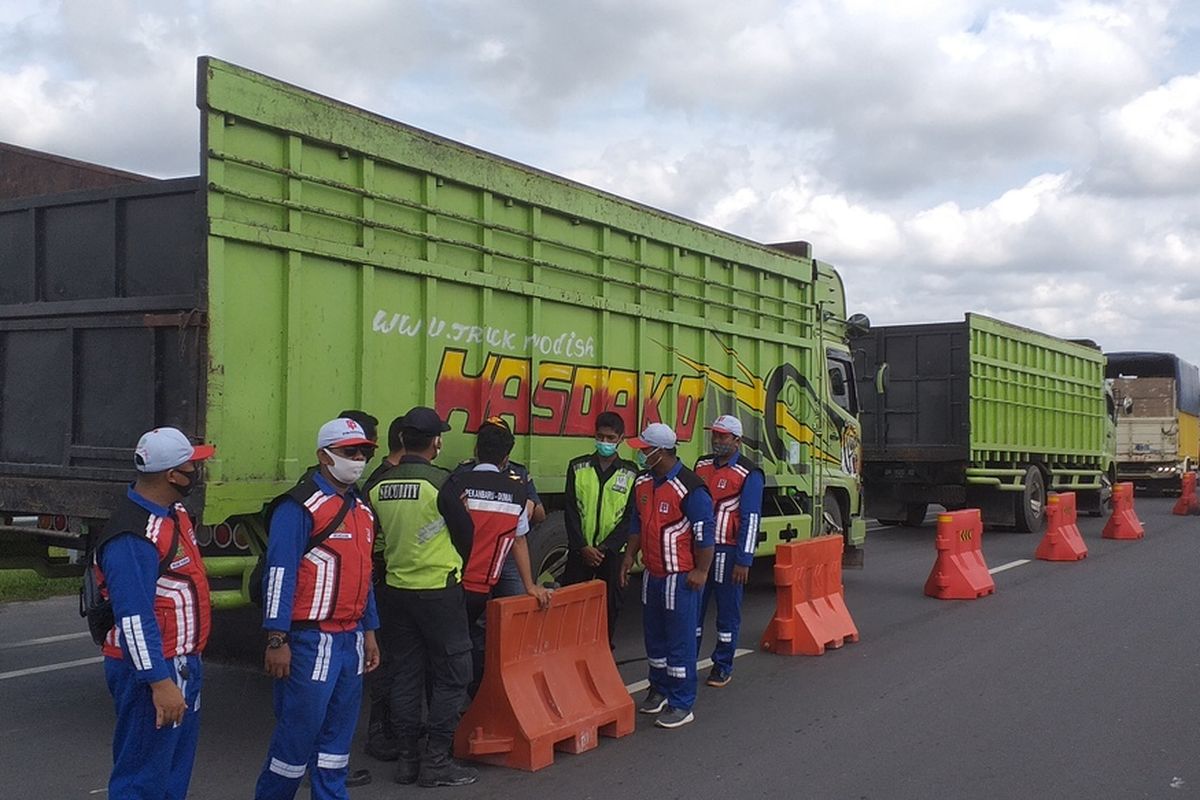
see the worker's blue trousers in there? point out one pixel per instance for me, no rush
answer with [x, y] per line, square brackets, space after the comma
[669, 613]
[728, 596]
[149, 763]
[316, 710]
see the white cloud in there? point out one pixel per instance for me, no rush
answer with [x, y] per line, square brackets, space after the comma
[1152, 143]
[1034, 159]
[37, 108]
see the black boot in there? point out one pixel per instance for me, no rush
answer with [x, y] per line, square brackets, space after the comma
[439, 769]
[382, 743]
[408, 760]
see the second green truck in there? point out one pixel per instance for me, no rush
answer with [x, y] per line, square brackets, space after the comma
[982, 413]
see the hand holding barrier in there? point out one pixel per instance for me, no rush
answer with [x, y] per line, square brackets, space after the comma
[1187, 504]
[959, 573]
[1124, 523]
[810, 605]
[1063, 541]
[549, 681]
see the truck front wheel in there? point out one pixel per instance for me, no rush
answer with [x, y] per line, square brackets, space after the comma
[1030, 511]
[831, 509]
[548, 548]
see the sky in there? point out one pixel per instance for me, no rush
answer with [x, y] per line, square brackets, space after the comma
[1032, 160]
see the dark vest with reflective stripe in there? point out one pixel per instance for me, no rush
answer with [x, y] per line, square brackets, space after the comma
[495, 501]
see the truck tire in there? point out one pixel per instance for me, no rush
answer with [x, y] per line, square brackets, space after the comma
[1030, 510]
[914, 515]
[1107, 481]
[548, 549]
[834, 522]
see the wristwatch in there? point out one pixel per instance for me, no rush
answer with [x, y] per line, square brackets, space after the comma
[276, 640]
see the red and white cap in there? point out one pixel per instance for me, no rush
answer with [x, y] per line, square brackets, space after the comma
[341, 432]
[727, 423]
[167, 448]
[657, 434]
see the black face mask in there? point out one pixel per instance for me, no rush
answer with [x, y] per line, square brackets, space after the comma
[193, 479]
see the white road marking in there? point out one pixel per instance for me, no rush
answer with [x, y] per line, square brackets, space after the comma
[1010, 565]
[637, 686]
[45, 640]
[20, 673]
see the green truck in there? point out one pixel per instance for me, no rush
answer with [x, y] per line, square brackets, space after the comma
[328, 258]
[982, 414]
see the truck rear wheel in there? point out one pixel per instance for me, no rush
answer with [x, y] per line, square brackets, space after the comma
[1030, 511]
[914, 515]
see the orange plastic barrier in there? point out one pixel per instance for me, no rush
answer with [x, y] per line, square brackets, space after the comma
[1187, 504]
[810, 605]
[1124, 523]
[1063, 541]
[549, 682]
[960, 573]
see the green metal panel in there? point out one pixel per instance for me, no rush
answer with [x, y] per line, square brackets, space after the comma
[357, 262]
[1034, 397]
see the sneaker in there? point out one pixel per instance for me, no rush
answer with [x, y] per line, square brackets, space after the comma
[674, 718]
[718, 677]
[654, 703]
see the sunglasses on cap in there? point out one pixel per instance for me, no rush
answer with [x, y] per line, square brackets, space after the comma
[353, 450]
[499, 422]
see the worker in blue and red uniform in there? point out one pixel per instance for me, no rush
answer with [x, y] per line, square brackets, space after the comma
[671, 525]
[736, 485]
[148, 565]
[319, 616]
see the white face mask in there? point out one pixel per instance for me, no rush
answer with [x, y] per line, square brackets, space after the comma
[345, 470]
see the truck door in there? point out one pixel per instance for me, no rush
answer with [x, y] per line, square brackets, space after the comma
[843, 391]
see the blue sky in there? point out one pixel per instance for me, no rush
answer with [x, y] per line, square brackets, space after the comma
[1038, 161]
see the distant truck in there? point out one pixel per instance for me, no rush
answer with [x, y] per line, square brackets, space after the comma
[981, 413]
[1158, 429]
[327, 258]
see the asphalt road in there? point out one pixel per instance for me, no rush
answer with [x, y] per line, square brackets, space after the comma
[1073, 681]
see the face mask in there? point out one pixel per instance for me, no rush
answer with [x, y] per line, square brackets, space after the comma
[345, 470]
[723, 450]
[606, 449]
[186, 489]
[643, 460]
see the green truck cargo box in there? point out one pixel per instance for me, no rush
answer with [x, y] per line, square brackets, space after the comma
[348, 261]
[981, 413]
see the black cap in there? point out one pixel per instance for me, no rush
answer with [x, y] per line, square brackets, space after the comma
[424, 420]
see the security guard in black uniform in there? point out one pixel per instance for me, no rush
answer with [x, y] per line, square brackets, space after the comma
[427, 535]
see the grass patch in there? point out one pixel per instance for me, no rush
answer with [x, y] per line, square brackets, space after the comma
[25, 584]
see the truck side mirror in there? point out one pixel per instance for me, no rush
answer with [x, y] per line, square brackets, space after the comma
[1127, 405]
[881, 378]
[858, 325]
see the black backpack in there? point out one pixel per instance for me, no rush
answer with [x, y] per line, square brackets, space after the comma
[93, 605]
[256, 575]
